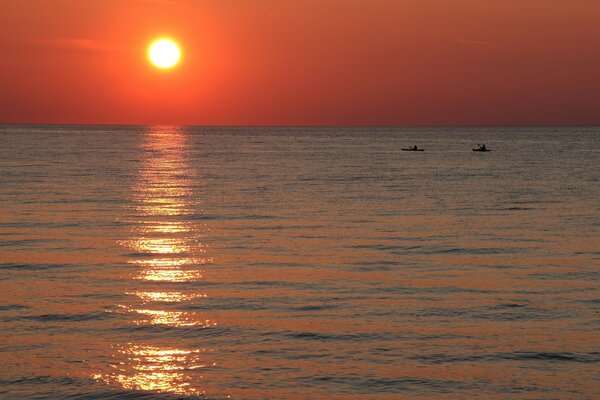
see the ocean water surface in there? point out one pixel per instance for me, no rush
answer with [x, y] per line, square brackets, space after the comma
[299, 263]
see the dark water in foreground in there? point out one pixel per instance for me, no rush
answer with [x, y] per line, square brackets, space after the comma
[299, 263]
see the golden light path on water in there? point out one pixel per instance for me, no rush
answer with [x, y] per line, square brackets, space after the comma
[166, 251]
[165, 297]
[157, 369]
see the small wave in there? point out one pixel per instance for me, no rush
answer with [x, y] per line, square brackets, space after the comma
[372, 268]
[43, 379]
[508, 305]
[170, 331]
[313, 307]
[521, 313]
[376, 265]
[404, 249]
[481, 250]
[298, 285]
[34, 267]
[67, 317]
[593, 357]
[571, 275]
[26, 242]
[13, 348]
[228, 304]
[456, 289]
[230, 217]
[370, 384]
[287, 227]
[351, 337]
[383, 247]
[72, 388]
[38, 224]
[9, 307]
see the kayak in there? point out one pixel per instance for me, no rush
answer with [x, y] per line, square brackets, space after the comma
[412, 149]
[481, 150]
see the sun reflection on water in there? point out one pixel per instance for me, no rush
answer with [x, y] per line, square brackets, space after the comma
[158, 369]
[167, 227]
[169, 275]
[166, 297]
[173, 318]
[166, 249]
[159, 246]
[168, 317]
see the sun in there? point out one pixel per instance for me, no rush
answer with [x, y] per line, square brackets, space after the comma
[164, 53]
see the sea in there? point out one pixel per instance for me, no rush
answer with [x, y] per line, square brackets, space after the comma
[299, 263]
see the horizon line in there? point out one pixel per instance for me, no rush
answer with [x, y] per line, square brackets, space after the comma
[302, 125]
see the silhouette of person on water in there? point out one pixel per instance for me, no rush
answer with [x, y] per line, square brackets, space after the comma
[481, 146]
[415, 147]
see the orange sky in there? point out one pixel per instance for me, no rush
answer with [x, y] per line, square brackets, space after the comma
[302, 62]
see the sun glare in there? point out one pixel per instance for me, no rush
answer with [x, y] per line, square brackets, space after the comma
[164, 53]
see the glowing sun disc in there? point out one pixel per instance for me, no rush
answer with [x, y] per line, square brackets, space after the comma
[164, 53]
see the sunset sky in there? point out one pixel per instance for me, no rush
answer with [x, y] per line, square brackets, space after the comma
[302, 62]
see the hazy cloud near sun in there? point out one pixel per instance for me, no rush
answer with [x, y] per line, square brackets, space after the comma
[478, 42]
[70, 43]
[154, 1]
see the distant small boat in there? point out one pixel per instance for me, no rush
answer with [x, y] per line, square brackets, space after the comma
[480, 149]
[412, 149]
